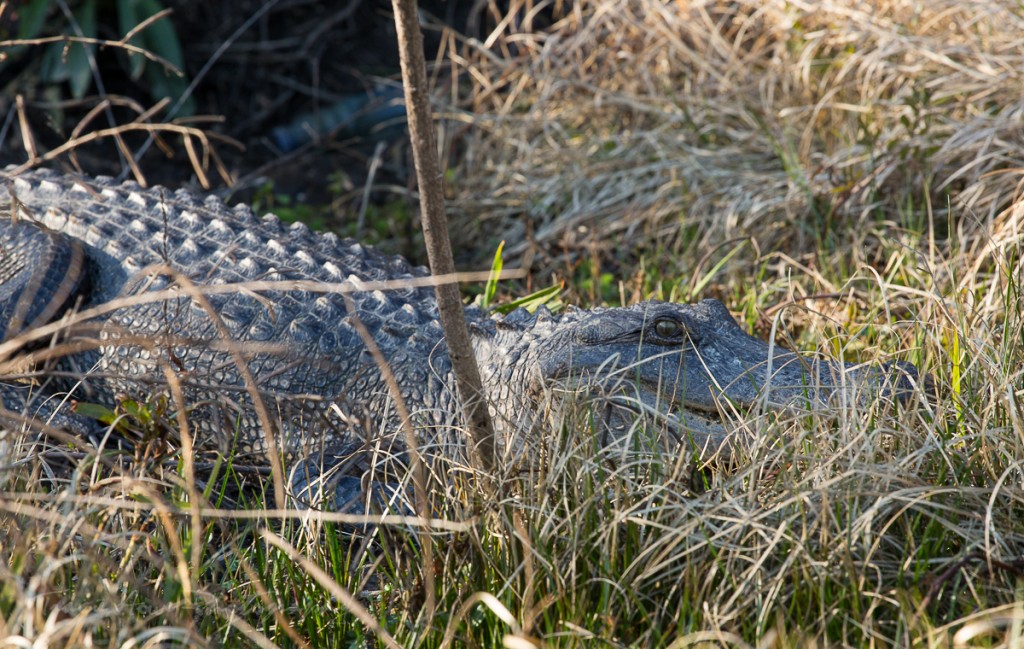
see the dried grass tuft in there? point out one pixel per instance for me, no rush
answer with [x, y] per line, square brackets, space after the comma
[650, 120]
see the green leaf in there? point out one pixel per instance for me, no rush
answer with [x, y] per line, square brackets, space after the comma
[53, 70]
[78, 68]
[161, 39]
[127, 19]
[706, 279]
[532, 301]
[492, 280]
[33, 16]
[163, 84]
[95, 411]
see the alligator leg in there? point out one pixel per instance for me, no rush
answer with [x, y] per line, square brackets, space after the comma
[19, 402]
[41, 272]
[349, 480]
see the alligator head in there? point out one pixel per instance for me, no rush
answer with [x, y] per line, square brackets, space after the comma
[684, 364]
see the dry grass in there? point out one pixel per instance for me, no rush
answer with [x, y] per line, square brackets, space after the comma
[872, 155]
[714, 120]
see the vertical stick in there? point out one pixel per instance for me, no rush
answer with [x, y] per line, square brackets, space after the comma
[435, 233]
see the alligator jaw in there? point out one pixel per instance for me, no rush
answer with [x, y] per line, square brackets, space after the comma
[704, 434]
[835, 385]
[692, 422]
[678, 428]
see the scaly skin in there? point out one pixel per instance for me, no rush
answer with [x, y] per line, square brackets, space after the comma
[304, 351]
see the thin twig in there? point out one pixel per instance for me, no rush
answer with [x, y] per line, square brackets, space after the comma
[436, 237]
[86, 40]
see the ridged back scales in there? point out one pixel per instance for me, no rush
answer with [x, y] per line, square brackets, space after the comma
[316, 350]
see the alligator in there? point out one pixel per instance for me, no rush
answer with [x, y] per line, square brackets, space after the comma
[151, 286]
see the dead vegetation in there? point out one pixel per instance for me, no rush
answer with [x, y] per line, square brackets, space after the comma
[706, 121]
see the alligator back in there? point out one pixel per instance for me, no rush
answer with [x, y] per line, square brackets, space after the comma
[302, 347]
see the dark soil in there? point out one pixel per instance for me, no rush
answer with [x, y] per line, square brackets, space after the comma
[256, 66]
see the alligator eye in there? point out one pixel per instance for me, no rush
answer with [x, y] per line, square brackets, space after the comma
[667, 328]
